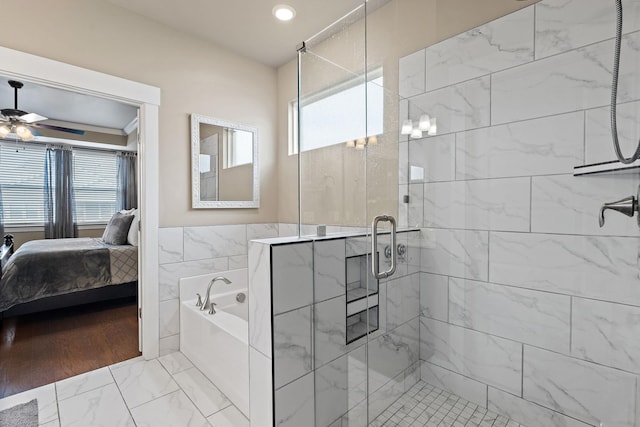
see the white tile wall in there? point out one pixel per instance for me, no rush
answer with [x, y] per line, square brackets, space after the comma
[292, 276]
[483, 357]
[500, 44]
[598, 132]
[473, 391]
[586, 391]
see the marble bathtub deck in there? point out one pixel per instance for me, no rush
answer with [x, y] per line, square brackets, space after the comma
[168, 391]
[427, 406]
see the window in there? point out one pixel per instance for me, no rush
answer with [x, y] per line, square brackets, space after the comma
[337, 115]
[95, 185]
[238, 147]
[22, 184]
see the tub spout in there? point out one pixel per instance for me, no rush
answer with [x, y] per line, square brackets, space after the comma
[207, 298]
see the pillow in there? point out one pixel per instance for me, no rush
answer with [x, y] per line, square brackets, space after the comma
[132, 237]
[117, 229]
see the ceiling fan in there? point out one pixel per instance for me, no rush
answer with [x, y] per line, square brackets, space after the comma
[22, 123]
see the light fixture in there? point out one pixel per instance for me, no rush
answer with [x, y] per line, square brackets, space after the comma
[283, 12]
[4, 131]
[416, 133]
[24, 133]
[360, 146]
[351, 144]
[373, 140]
[433, 129]
[425, 122]
[407, 127]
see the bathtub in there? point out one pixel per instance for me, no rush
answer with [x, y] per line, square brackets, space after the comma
[217, 344]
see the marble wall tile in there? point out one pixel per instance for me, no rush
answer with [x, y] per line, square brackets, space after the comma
[415, 208]
[586, 391]
[464, 387]
[606, 333]
[459, 107]
[403, 114]
[412, 376]
[329, 269]
[403, 300]
[295, 403]
[485, 358]
[569, 205]
[331, 391]
[457, 253]
[292, 345]
[170, 274]
[292, 276]
[392, 353]
[571, 81]
[563, 25]
[169, 318]
[214, 241]
[533, 147]
[532, 414]
[169, 345]
[238, 261]
[356, 376]
[403, 163]
[435, 158]
[572, 265]
[503, 43]
[260, 389]
[330, 330]
[492, 204]
[412, 72]
[262, 231]
[260, 316]
[598, 145]
[170, 245]
[537, 318]
[434, 296]
[286, 230]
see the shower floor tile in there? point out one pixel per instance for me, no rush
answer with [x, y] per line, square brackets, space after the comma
[429, 406]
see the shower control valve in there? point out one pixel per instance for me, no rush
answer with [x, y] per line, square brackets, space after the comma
[627, 206]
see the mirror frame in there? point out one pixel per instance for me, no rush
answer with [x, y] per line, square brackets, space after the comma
[196, 203]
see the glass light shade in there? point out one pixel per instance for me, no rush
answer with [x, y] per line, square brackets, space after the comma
[407, 127]
[373, 140]
[425, 123]
[24, 132]
[359, 146]
[28, 137]
[433, 129]
[4, 131]
[351, 144]
[416, 133]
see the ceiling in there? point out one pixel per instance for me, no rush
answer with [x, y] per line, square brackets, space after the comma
[62, 105]
[246, 27]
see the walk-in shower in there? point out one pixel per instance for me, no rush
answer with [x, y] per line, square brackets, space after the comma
[508, 304]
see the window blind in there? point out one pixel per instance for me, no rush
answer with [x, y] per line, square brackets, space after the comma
[22, 184]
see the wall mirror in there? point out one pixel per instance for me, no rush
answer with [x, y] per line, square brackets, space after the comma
[224, 164]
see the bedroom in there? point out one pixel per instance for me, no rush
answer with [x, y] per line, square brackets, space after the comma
[69, 199]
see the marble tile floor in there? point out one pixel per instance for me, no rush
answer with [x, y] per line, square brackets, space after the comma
[427, 406]
[168, 391]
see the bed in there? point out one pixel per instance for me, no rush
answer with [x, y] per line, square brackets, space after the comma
[53, 273]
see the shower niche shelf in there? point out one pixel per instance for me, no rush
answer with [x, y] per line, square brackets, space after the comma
[362, 298]
[610, 168]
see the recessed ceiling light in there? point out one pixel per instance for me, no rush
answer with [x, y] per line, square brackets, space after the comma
[284, 12]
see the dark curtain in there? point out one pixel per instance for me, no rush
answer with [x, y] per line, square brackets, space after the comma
[127, 186]
[59, 202]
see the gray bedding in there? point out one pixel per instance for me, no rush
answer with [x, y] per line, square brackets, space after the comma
[43, 268]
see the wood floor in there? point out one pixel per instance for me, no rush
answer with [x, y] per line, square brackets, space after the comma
[41, 348]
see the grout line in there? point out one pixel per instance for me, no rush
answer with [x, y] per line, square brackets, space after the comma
[121, 395]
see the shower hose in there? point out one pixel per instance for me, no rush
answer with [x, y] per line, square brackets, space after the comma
[614, 92]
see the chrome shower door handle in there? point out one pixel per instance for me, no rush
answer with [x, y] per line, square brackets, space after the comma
[374, 247]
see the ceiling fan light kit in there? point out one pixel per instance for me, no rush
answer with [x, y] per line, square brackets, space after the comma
[22, 123]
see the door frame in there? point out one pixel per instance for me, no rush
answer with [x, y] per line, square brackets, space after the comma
[36, 69]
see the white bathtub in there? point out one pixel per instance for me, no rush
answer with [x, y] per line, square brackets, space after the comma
[218, 343]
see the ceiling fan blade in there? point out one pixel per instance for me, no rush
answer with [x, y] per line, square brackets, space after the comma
[59, 128]
[32, 118]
